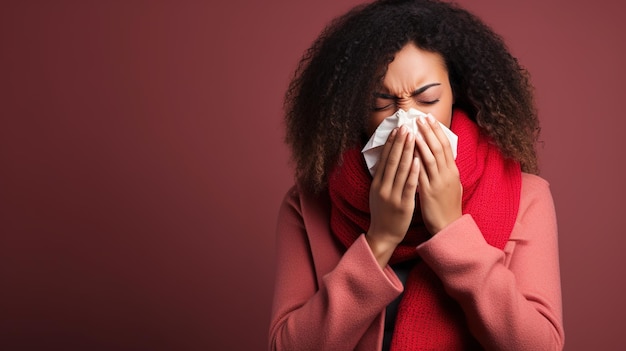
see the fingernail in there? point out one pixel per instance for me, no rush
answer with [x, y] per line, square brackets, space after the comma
[431, 119]
[422, 120]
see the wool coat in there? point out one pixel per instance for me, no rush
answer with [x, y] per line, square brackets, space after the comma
[329, 298]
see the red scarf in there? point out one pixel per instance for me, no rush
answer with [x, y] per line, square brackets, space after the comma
[427, 317]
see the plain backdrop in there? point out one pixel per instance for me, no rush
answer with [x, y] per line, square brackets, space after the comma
[142, 164]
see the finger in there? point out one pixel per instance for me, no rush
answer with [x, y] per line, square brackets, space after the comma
[423, 178]
[443, 139]
[404, 166]
[426, 128]
[380, 168]
[410, 187]
[393, 158]
[427, 159]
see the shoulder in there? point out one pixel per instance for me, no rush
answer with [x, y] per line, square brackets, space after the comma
[536, 201]
[298, 197]
[290, 207]
[291, 198]
[304, 205]
[534, 188]
[532, 183]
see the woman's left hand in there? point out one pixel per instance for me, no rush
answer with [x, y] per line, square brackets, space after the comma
[440, 190]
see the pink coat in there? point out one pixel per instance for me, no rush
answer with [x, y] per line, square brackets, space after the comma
[328, 299]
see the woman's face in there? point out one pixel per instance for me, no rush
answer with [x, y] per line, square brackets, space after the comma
[415, 79]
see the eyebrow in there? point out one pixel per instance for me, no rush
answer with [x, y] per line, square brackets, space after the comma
[414, 93]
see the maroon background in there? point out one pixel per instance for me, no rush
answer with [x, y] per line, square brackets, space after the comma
[142, 164]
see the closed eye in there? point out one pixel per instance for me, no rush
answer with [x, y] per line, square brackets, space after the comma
[431, 102]
[382, 105]
[422, 96]
[382, 108]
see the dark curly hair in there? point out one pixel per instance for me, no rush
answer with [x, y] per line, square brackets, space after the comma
[328, 102]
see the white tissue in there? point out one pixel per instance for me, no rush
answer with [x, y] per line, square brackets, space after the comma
[374, 147]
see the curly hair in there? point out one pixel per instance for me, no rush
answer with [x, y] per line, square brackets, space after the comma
[328, 102]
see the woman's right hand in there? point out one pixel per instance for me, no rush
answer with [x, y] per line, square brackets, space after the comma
[393, 194]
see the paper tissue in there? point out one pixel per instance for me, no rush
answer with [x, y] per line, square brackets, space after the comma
[374, 147]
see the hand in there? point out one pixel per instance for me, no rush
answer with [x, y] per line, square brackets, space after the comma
[440, 189]
[392, 194]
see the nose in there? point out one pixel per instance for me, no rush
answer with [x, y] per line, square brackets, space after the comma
[407, 103]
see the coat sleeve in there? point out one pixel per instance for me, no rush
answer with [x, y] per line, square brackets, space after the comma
[336, 314]
[511, 298]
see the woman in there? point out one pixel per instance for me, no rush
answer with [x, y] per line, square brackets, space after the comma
[432, 251]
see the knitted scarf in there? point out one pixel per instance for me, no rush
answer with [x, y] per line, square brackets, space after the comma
[428, 318]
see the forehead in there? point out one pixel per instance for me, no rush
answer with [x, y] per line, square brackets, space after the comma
[413, 67]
